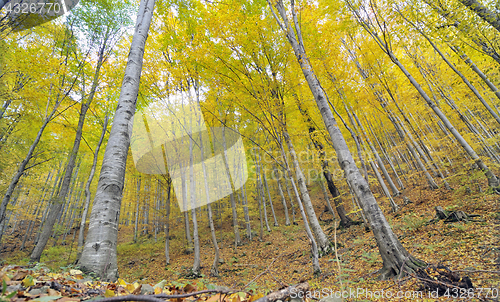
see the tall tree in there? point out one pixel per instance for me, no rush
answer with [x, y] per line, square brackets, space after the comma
[493, 18]
[99, 252]
[395, 257]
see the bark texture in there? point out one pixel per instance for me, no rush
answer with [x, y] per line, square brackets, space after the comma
[395, 257]
[99, 252]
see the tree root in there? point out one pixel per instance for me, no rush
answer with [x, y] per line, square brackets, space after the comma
[442, 280]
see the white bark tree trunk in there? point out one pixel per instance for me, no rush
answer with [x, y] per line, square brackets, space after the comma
[324, 244]
[394, 255]
[99, 252]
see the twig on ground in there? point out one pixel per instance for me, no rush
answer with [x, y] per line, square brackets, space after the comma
[265, 271]
[160, 297]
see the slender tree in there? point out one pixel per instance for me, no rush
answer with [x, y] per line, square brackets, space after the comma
[395, 257]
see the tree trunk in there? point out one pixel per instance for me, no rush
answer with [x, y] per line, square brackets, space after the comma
[473, 66]
[196, 264]
[324, 244]
[394, 255]
[482, 11]
[87, 188]
[280, 190]
[99, 252]
[24, 164]
[269, 197]
[237, 238]
[260, 189]
[58, 204]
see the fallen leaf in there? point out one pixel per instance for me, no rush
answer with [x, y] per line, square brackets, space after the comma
[74, 272]
[122, 282]
[214, 298]
[255, 297]
[28, 281]
[189, 288]
[137, 289]
[109, 293]
[20, 275]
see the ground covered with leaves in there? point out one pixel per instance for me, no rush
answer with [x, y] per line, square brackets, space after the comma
[466, 248]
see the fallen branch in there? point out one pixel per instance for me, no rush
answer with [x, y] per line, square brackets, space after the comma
[264, 272]
[159, 297]
[476, 271]
[284, 293]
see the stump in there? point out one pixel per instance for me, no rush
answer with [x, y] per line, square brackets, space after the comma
[455, 216]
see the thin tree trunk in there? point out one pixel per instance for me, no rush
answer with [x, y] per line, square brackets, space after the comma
[260, 188]
[484, 12]
[269, 197]
[87, 188]
[167, 221]
[23, 166]
[324, 244]
[280, 190]
[58, 204]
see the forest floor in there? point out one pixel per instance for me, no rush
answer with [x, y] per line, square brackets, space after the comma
[283, 256]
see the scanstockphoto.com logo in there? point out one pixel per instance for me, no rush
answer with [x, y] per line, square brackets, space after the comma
[24, 14]
[205, 164]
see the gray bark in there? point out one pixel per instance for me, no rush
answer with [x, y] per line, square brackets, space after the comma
[324, 244]
[473, 66]
[245, 211]
[196, 263]
[280, 190]
[99, 252]
[167, 222]
[24, 164]
[87, 187]
[138, 202]
[394, 255]
[237, 238]
[269, 197]
[58, 205]
[260, 189]
[484, 12]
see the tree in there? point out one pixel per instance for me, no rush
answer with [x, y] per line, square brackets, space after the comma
[99, 251]
[57, 94]
[395, 257]
[493, 18]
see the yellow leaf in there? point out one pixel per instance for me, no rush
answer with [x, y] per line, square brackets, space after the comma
[158, 290]
[255, 297]
[109, 293]
[75, 272]
[28, 281]
[122, 282]
[236, 298]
